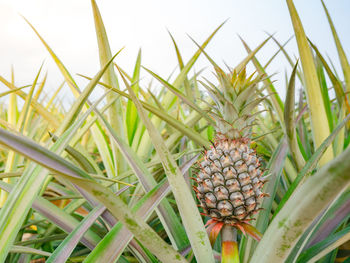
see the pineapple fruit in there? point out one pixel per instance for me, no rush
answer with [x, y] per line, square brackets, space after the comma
[229, 183]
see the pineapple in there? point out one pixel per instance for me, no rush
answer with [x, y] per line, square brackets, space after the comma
[229, 183]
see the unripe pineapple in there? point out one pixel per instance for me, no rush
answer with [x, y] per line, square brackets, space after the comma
[229, 184]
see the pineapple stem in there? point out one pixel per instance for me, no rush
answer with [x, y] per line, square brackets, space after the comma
[229, 246]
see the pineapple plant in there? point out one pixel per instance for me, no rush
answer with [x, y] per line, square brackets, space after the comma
[229, 182]
[306, 218]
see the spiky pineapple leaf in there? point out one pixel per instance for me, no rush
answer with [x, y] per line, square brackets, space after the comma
[187, 67]
[337, 86]
[287, 56]
[27, 188]
[63, 251]
[68, 77]
[244, 95]
[185, 129]
[324, 247]
[332, 219]
[187, 86]
[36, 105]
[115, 112]
[276, 100]
[115, 241]
[2, 94]
[24, 113]
[187, 207]
[324, 91]
[28, 250]
[166, 214]
[131, 116]
[181, 96]
[318, 114]
[59, 217]
[341, 53]
[81, 100]
[281, 48]
[118, 208]
[78, 157]
[307, 202]
[290, 122]
[310, 164]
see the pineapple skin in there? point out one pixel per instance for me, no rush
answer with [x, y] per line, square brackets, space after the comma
[229, 184]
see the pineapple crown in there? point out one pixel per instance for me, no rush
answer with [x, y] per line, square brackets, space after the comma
[235, 99]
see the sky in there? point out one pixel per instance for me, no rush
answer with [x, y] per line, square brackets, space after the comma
[68, 27]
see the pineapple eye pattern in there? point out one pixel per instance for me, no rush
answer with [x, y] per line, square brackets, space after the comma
[231, 185]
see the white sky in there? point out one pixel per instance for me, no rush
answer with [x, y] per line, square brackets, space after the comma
[68, 27]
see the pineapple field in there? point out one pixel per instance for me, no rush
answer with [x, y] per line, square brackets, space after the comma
[213, 166]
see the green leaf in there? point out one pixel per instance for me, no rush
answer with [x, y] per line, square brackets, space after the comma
[131, 116]
[24, 113]
[2, 94]
[115, 112]
[322, 248]
[290, 122]
[187, 86]
[59, 217]
[68, 77]
[289, 59]
[310, 164]
[29, 250]
[281, 48]
[133, 222]
[276, 100]
[320, 129]
[115, 241]
[81, 100]
[184, 128]
[187, 206]
[182, 97]
[165, 212]
[337, 85]
[78, 157]
[145, 145]
[13, 213]
[330, 221]
[324, 91]
[307, 202]
[66, 247]
[36, 105]
[116, 206]
[341, 53]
